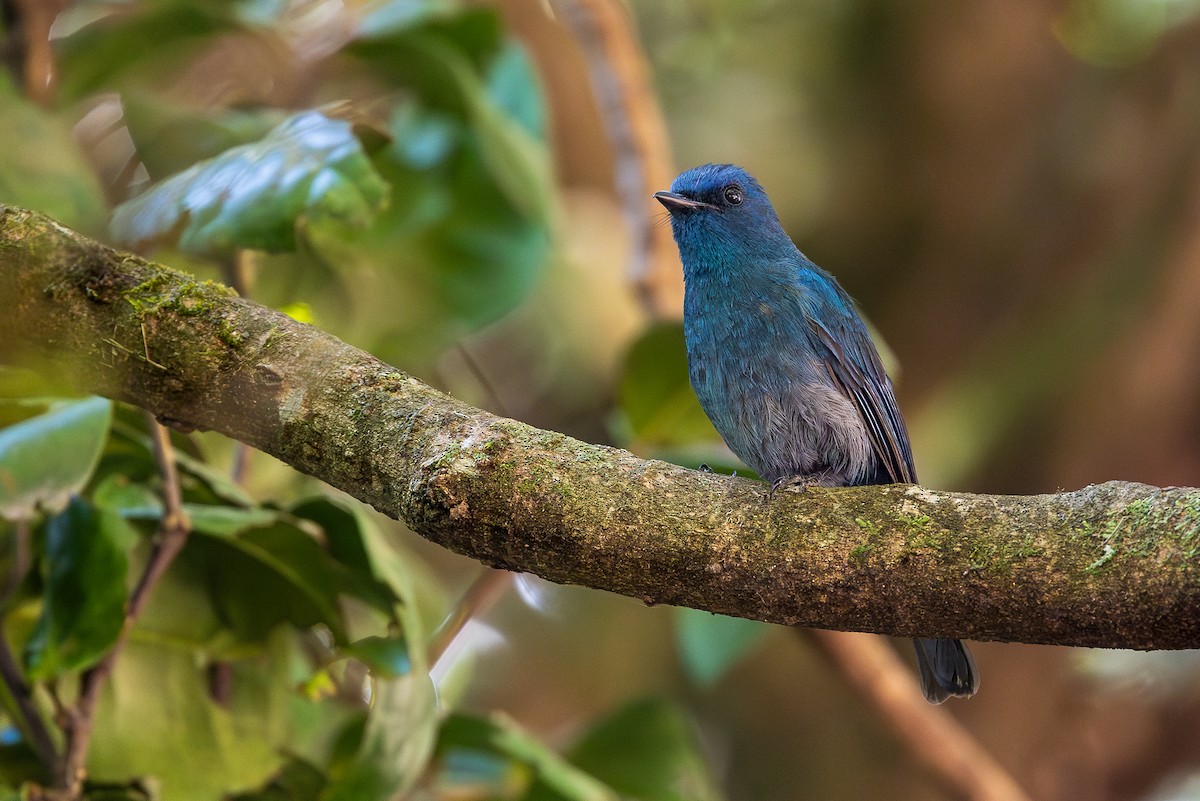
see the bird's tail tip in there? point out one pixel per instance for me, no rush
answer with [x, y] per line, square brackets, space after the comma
[946, 669]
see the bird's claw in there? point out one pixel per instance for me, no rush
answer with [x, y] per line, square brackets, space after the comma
[797, 483]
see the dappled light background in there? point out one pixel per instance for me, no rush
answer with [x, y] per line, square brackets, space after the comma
[1011, 191]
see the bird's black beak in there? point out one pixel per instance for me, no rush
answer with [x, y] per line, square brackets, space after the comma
[677, 202]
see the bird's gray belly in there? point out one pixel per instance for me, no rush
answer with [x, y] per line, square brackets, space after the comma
[784, 419]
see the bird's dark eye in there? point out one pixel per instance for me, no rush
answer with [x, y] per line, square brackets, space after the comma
[733, 194]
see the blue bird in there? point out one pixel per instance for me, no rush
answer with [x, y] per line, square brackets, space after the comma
[784, 366]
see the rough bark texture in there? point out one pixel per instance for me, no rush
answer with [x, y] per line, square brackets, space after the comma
[1115, 565]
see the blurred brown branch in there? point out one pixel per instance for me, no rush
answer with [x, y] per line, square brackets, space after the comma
[934, 738]
[30, 46]
[625, 94]
[1112, 565]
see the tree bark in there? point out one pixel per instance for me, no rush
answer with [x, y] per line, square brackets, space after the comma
[1110, 565]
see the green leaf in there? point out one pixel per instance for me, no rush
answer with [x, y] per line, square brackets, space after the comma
[128, 498]
[449, 79]
[18, 764]
[423, 138]
[710, 644]
[47, 458]
[132, 500]
[42, 167]
[226, 521]
[415, 597]
[481, 774]
[297, 780]
[550, 776]
[1119, 33]
[517, 159]
[401, 729]
[467, 237]
[387, 657]
[133, 791]
[157, 719]
[262, 577]
[477, 32]
[648, 751]
[513, 87]
[384, 19]
[487, 254]
[253, 196]
[83, 607]
[170, 138]
[112, 52]
[396, 743]
[342, 525]
[219, 521]
[217, 481]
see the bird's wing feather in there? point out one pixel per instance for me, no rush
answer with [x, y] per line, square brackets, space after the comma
[854, 365]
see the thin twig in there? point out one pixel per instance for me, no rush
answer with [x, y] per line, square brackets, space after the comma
[33, 726]
[485, 590]
[240, 463]
[31, 723]
[490, 584]
[239, 271]
[20, 562]
[172, 534]
[39, 70]
[931, 735]
[641, 148]
[476, 370]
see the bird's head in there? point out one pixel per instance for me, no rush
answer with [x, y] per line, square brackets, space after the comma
[721, 216]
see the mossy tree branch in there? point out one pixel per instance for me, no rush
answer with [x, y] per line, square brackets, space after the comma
[1113, 565]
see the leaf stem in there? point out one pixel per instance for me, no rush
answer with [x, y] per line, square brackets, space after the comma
[637, 132]
[485, 590]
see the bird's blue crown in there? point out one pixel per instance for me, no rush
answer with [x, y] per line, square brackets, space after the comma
[706, 182]
[721, 216]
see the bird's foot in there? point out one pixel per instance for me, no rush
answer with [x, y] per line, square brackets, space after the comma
[798, 483]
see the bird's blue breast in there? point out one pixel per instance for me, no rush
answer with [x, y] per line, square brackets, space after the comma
[753, 362]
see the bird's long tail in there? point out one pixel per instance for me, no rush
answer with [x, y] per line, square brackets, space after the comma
[946, 668]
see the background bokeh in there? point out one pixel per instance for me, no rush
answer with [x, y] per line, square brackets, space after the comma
[1010, 190]
[1012, 194]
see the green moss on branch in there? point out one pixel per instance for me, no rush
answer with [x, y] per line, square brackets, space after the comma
[1110, 565]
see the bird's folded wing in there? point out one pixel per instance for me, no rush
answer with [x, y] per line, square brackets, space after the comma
[854, 365]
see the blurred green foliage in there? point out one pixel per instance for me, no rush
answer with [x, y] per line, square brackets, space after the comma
[1114, 33]
[48, 457]
[84, 566]
[284, 654]
[405, 198]
[650, 750]
[710, 644]
[42, 168]
[306, 170]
